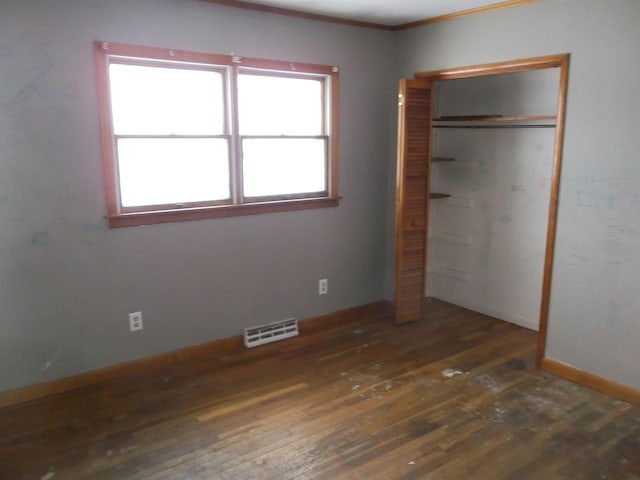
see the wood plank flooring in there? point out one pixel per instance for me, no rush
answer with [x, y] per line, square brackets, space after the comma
[455, 396]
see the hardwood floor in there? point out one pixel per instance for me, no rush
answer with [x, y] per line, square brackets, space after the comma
[455, 396]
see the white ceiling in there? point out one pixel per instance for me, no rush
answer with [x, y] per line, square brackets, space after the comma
[385, 12]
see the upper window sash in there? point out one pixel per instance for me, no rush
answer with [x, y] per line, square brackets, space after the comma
[144, 101]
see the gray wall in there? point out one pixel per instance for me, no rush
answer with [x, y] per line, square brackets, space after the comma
[67, 282]
[595, 297]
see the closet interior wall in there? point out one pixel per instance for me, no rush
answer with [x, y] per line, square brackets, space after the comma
[487, 231]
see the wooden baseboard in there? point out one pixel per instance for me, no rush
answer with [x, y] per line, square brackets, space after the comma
[198, 352]
[590, 380]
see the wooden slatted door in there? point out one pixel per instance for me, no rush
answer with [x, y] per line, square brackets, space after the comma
[414, 118]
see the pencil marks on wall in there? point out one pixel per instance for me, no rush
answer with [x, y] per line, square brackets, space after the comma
[25, 68]
[39, 239]
[40, 206]
[20, 84]
[30, 85]
[600, 257]
[614, 201]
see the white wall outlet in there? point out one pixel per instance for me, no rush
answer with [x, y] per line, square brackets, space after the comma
[323, 286]
[135, 321]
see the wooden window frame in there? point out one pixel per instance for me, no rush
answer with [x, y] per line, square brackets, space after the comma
[119, 216]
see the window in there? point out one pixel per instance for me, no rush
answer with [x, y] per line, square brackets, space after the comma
[190, 135]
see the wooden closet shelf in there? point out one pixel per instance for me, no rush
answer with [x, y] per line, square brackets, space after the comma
[492, 118]
[434, 196]
[442, 159]
[495, 121]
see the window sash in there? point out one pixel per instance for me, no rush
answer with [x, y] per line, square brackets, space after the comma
[178, 204]
[222, 71]
[322, 126]
[286, 196]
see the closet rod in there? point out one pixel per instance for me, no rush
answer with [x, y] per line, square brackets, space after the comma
[496, 126]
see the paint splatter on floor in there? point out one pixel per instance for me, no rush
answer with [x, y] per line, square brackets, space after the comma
[450, 373]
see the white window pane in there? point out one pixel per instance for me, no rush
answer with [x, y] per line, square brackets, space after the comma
[169, 171]
[279, 105]
[283, 166]
[166, 101]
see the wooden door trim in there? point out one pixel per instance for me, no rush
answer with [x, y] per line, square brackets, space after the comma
[560, 61]
[553, 210]
[484, 69]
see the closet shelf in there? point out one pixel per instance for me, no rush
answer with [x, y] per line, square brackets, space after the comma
[442, 159]
[435, 196]
[495, 121]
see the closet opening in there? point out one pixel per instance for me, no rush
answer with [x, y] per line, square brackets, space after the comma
[479, 156]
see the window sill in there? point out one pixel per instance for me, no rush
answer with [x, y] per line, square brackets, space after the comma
[221, 211]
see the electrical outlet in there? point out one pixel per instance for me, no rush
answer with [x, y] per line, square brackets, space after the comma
[135, 321]
[323, 286]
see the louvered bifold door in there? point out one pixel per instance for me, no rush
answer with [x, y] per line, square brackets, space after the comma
[414, 118]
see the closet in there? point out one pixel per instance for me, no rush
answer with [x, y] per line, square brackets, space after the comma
[479, 152]
[492, 157]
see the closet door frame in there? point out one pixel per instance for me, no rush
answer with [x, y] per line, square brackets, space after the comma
[560, 61]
